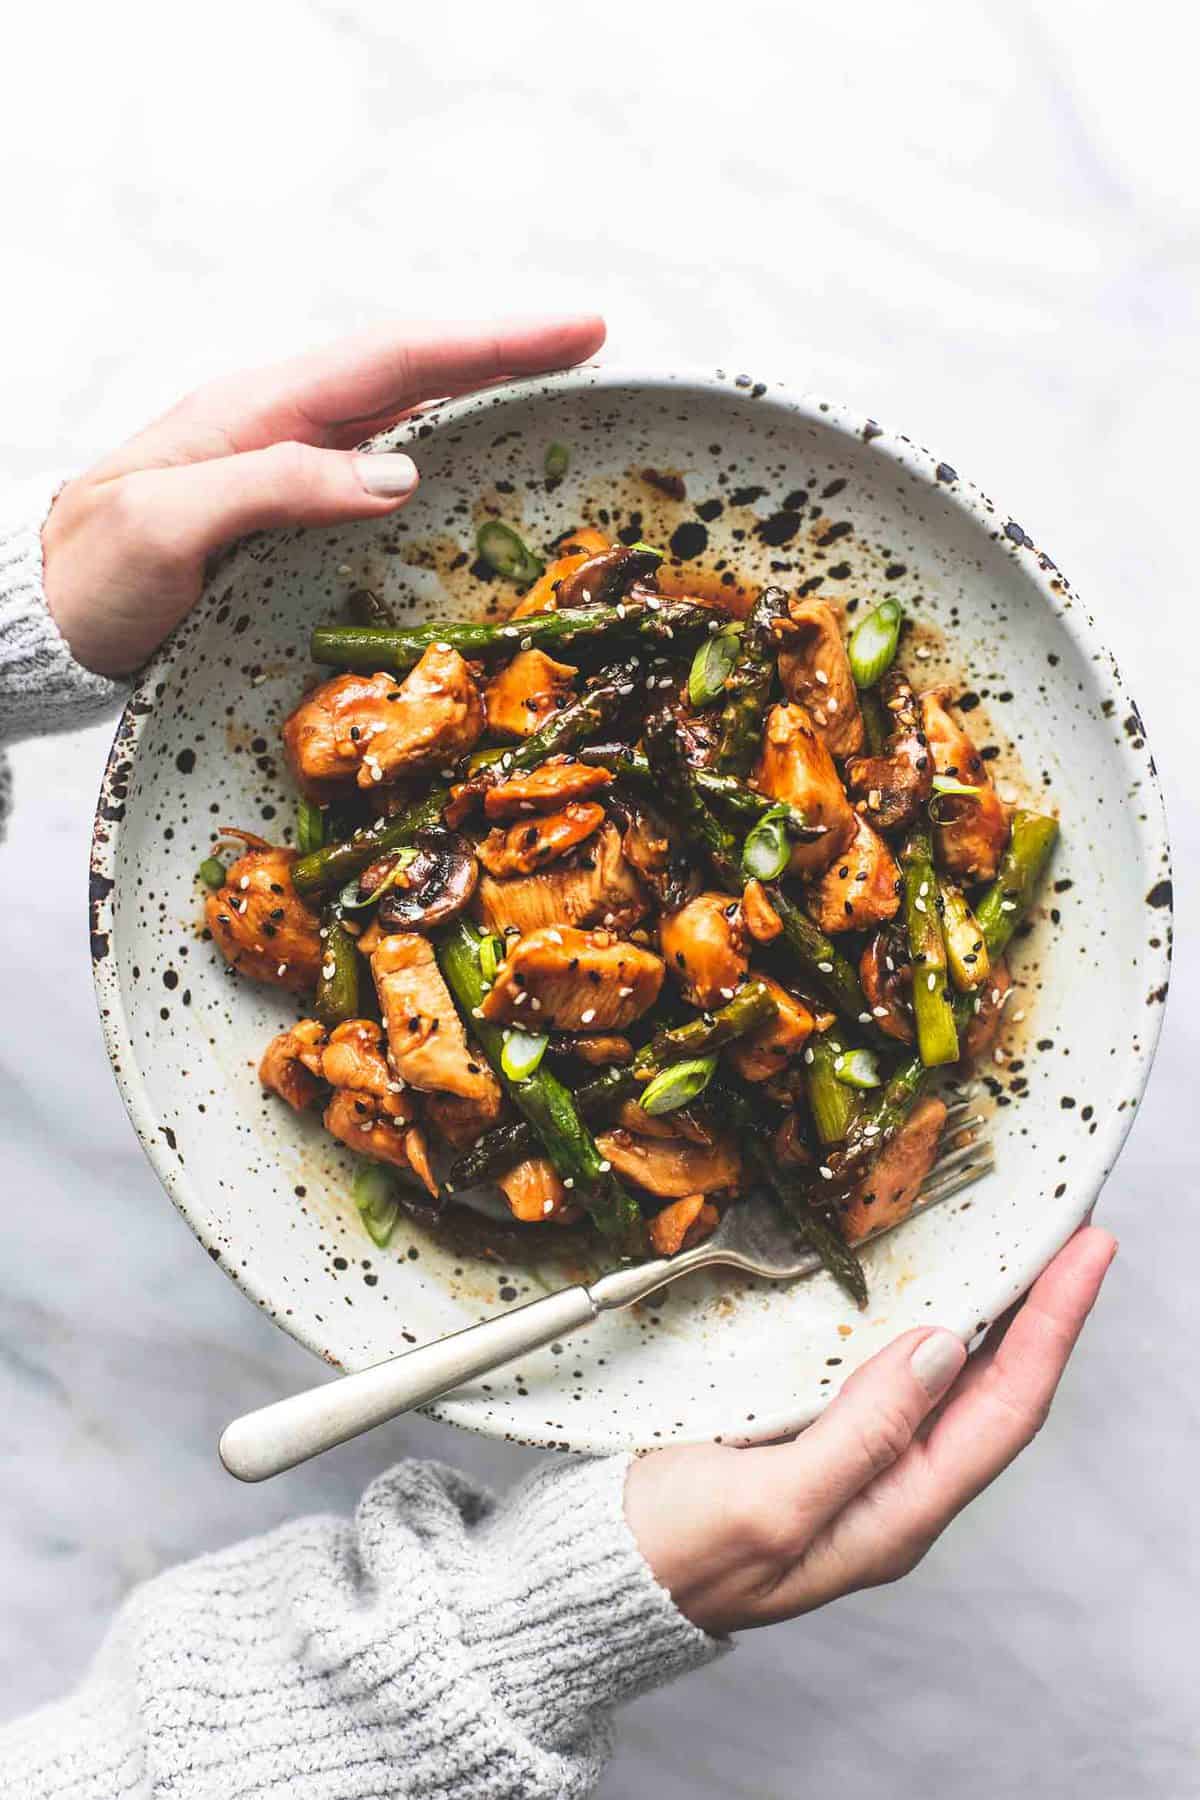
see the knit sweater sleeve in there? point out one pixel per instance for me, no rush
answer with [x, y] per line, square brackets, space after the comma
[42, 687]
[443, 1644]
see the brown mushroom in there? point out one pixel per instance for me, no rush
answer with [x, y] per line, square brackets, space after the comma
[433, 886]
[892, 787]
[603, 579]
[886, 976]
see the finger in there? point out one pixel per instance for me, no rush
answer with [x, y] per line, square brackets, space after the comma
[336, 396]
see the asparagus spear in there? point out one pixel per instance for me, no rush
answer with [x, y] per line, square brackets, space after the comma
[1010, 896]
[748, 687]
[679, 793]
[724, 792]
[824, 967]
[337, 981]
[966, 952]
[937, 1034]
[833, 1105]
[333, 864]
[548, 1106]
[369, 648]
[498, 1149]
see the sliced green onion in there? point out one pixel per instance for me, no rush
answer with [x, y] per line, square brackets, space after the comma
[521, 1054]
[310, 827]
[857, 1069]
[872, 646]
[650, 549]
[678, 1086]
[491, 955]
[212, 872]
[946, 784]
[767, 850]
[502, 550]
[712, 666]
[557, 461]
[374, 1195]
[351, 899]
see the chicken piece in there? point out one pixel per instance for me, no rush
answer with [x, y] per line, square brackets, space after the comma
[551, 785]
[599, 1050]
[594, 884]
[373, 728]
[353, 1059]
[260, 924]
[426, 1041]
[291, 1065]
[530, 690]
[706, 947]
[862, 889]
[543, 595]
[462, 1122]
[682, 1123]
[357, 1121]
[683, 1223]
[891, 788]
[532, 843]
[886, 975]
[887, 1192]
[649, 850]
[672, 1168]
[815, 672]
[763, 1052]
[762, 921]
[560, 979]
[795, 765]
[534, 1193]
[972, 829]
[983, 1027]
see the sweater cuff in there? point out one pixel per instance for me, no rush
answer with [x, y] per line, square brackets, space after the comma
[577, 1623]
[42, 687]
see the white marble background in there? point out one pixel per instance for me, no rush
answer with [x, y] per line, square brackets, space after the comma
[978, 222]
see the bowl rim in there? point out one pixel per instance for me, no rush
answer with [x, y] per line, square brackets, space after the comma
[1061, 599]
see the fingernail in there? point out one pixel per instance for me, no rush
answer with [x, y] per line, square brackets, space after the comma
[388, 474]
[936, 1361]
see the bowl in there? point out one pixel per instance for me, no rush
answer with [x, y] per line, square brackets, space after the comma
[730, 474]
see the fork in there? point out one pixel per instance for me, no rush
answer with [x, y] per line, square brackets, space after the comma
[754, 1238]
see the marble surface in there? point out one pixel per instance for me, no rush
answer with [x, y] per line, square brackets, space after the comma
[979, 225]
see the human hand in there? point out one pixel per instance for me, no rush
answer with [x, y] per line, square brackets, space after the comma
[124, 546]
[748, 1537]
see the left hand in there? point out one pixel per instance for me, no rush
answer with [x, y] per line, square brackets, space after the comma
[124, 546]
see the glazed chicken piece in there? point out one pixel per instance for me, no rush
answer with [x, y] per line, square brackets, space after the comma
[462, 1122]
[374, 728]
[359, 1122]
[426, 1041]
[795, 765]
[560, 979]
[683, 1223]
[972, 831]
[535, 1195]
[762, 1053]
[549, 787]
[862, 888]
[353, 1058]
[815, 672]
[682, 1123]
[886, 1194]
[600, 1050]
[762, 921]
[983, 1027]
[260, 924]
[543, 595]
[530, 690]
[706, 947]
[531, 843]
[891, 788]
[594, 885]
[291, 1065]
[672, 1167]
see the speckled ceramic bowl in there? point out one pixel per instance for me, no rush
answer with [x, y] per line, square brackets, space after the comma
[775, 485]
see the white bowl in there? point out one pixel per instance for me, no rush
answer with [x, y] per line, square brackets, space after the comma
[198, 746]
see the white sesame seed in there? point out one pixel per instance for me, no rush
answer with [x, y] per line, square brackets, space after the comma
[605, 1165]
[822, 677]
[919, 905]
[282, 969]
[922, 652]
[998, 1054]
[864, 1018]
[652, 603]
[568, 1181]
[527, 643]
[1008, 906]
[554, 936]
[825, 1173]
[880, 1012]
[727, 993]
[931, 981]
[477, 1012]
[1018, 1015]
[832, 703]
[808, 1055]
[826, 968]
[620, 610]
[521, 998]
[446, 774]
[547, 1206]
[624, 687]
[588, 1014]
[244, 882]
[509, 631]
[329, 970]
[923, 889]
[624, 992]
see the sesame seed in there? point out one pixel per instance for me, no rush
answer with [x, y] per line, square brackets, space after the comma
[922, 652]
[808, 1055]
[547, 1206]
[825, 1173]
[998, 1054]
[282, 969]
[624, 993]
[446, 774]
[832, 703]
[520, 998]
[568, 1181]
[588, 1014]
[535, 1004]
[931, 981]
[826, 968]
[477, 1012]
[822, 677]
[244, 882]
[620, 610]
[1008, 906]
[1018, 1015]
[527, 643]
[509, 631]
[919, 905]
[880, 1012]
[864, 1018]
[605, 1165]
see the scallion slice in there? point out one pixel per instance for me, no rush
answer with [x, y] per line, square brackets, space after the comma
[374, 1196]
[946, 784]
[712, 666]
[857, 1069]
[212, 872]
[521, 1054]
[872, 646]
[678, 1086]
[650, 550]
[351, 899]
[557, 461]
[502, 550]
[767, 851]
[491, 955]
[310, 827]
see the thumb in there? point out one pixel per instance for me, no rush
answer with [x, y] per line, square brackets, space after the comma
[198, 507]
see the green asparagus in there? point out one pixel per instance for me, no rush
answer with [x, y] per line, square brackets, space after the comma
[337, 997]
[937, 1034]
[1010, 896]
[748, 687]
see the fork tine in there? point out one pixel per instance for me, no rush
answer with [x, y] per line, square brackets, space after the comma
[942, 1182]
[959, 1158]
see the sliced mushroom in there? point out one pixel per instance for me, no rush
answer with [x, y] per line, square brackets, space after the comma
[605, 578]
[891, 788]
[886, 976]
[434, 886]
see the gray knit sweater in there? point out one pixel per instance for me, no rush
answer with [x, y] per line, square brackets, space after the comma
[443, 1643]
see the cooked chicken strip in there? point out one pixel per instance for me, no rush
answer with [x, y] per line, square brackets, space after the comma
[532, 843]
[815, 672]
[375, 728]
[863, 888]
[706, 947]
[983, 1027]
[291, 1065]
[891, 788]
[460, 1121]
[526, 692]
[887, 1193]
[795, 765]
[972, 832]
[671, 1167]
[762, 1053]
[357, 1121]
[260, 924]
[595, 884]
[353, 1058]
[682, 1224]
[535, 1194]
[550, 786]
[426, 1041]
[560, 979]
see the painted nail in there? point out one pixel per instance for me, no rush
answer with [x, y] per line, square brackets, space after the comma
[936, 1361]
[388, 474]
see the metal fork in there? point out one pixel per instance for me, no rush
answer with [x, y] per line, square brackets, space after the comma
[754, 1238]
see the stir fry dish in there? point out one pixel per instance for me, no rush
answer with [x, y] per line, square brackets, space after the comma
[629, 905]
